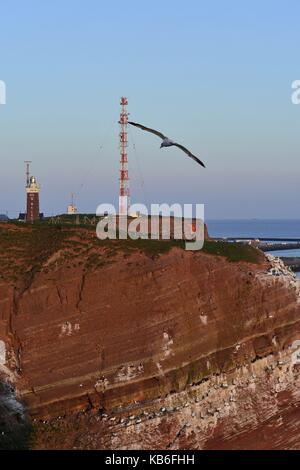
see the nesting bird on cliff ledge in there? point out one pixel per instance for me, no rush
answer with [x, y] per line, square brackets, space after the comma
[166, 142]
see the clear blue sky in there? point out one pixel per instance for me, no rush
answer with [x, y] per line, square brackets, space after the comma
[216, 76]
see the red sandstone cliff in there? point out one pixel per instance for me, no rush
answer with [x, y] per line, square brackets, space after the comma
[178, 349]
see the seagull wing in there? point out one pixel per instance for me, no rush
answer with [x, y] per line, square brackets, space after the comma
[181, 147]
[153, 131]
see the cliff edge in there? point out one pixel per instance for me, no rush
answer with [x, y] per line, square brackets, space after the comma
[145, 343]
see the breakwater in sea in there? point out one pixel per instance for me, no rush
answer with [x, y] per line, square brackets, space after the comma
[277, 246]
[293, 263]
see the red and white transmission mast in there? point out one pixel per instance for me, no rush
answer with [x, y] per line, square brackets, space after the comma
[124, 196]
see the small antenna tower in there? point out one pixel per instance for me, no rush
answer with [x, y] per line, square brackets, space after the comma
[27, 162]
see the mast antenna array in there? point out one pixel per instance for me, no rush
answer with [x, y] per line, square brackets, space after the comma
[124, 194]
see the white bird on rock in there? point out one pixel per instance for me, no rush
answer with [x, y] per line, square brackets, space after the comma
[166, 142]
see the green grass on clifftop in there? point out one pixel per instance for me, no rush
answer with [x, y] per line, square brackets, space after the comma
[26, 249]
[234, 251]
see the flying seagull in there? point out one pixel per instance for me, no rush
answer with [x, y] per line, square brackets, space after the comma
[166, 142]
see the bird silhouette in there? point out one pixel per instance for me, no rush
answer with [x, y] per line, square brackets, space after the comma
[166, 142]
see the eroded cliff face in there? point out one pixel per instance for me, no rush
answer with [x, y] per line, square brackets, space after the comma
[176, 349]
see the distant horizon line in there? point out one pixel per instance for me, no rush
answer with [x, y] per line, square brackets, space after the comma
[229, 219]
[263, 219]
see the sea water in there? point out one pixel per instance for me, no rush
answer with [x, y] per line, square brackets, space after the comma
[258, 228]
[254, 228]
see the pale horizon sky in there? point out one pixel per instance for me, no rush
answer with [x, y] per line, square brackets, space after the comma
[214, 76]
